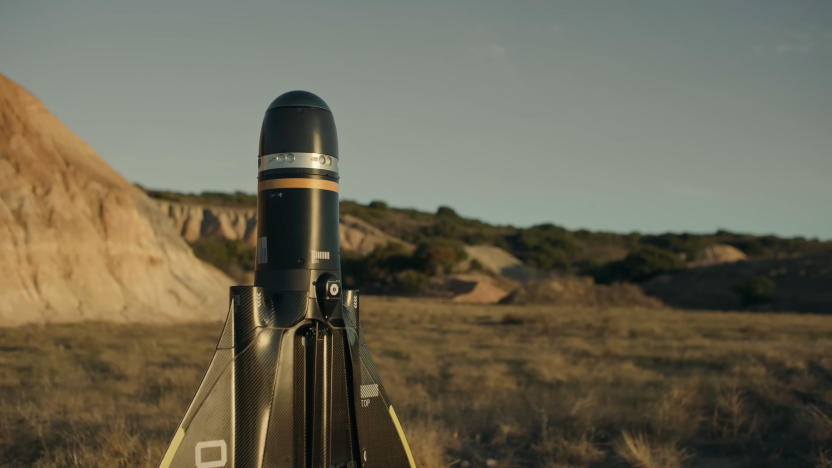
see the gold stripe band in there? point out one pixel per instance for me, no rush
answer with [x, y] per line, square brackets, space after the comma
[319, 184]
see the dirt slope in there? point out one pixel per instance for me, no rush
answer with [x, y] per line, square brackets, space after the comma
[581, 291]
[362, 237]
[716, 254]
[501, 262]
[79, 242]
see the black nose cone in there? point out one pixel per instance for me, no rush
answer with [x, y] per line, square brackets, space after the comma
[298, 122]
[299, 99]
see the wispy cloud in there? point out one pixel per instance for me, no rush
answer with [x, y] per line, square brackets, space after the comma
[497, 52]
[789, 43]
[491, 51]
[797, 43]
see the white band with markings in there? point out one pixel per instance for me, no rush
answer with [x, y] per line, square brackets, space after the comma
[297, 161]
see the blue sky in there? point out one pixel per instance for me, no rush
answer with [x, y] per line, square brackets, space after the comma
[644, 115]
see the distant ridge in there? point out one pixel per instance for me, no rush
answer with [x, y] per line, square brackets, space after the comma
[539, 264]
[79, 242]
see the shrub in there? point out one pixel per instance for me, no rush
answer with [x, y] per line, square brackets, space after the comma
[412, 282]
[755, 290]
[445, 227]
[551, 258]
[545, 246]
[446, 211]
[377, 271]
[237, 198]
[679, 243]
[438, 256]
[639, 265]
[749, 245]
[163, 194]
[234, 257]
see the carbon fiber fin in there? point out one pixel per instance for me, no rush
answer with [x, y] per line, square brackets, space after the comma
[381, 437]
[305, 395]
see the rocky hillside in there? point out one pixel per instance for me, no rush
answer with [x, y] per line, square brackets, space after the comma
[195, 221]
[79, 242]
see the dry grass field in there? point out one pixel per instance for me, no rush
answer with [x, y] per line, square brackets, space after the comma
[494, 386]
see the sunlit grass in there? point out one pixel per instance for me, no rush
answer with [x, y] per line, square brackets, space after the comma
[549, 387]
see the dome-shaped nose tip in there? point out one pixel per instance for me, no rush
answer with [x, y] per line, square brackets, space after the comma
[298, 122]
[299, 99]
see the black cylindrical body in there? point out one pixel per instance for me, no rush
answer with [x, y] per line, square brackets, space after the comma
[297, 204]
[292, 383]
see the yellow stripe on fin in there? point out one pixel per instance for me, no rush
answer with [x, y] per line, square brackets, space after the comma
[402, 437]
[174, 446]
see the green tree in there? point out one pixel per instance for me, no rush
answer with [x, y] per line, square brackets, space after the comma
[446, 211]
